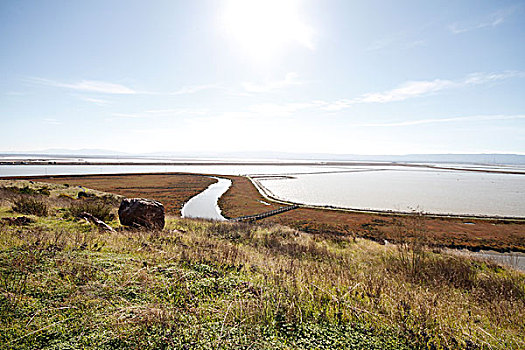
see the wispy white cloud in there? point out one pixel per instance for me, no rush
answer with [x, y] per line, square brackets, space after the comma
[396, 41]
[412, 89]
[161, 113]
[15, 93]
[285, 109]
[127, 115]
[475, 118]
[88, 86]
[492, 20]
[405, 91]
[52, 121]
[103, 87]
[97, 101]
[194, 89]
[289, 80]
[176, 111]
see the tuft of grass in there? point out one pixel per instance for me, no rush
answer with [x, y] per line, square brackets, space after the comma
[30, 206]
[96, 207]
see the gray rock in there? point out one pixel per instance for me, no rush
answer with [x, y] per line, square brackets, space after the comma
[140, 212]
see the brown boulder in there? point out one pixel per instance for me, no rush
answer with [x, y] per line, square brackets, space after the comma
[140, 212]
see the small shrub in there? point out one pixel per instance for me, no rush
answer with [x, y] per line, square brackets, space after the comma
[85, 195]
[97, 208]
[44, 191]
[31, 206]
[27, 190]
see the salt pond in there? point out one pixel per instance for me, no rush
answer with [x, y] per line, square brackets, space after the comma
[405, 190]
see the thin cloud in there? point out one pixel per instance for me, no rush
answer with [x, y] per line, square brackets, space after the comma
[396, 41]
[96, 101]
[176, 111]
[405, 91]
[194, 89]
[103, 87]
[491, 21]
[475, 118]
[52, 121]
[127, 115]
[413, 89]
[161, 113]
[289, 80]
[15, 93]
[273, 109]
[88, 86]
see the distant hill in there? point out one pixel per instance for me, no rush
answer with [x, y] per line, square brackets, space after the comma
[489, 159]
[69, 152]
[492, 159]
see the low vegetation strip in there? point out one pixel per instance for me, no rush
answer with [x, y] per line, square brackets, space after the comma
[211, 285]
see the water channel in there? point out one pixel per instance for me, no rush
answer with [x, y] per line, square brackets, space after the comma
[204, 205]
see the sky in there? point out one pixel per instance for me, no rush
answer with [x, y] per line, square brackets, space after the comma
[342, 77]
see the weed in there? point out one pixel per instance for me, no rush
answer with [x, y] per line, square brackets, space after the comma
[31, 206]
[98, 208]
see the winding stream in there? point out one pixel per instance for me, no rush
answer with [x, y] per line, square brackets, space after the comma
[204, 205]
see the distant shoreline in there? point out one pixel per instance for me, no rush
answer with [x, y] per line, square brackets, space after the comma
[266, 163]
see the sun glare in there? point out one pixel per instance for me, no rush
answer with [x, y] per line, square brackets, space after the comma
[263, 28]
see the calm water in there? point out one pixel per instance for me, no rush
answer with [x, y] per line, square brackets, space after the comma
[36, 170]
[204, 205]
[378, 187]
[431, 191]
[515, 260]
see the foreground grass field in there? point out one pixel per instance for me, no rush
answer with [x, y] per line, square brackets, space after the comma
[207, 285]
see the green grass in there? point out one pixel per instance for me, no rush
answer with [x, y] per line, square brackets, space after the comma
[204, 285]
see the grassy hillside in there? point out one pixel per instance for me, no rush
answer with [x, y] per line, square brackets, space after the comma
[206, 285]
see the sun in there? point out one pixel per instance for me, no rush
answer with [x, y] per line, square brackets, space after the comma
[263, 28]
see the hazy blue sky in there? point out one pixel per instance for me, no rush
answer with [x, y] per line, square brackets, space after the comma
[364, 77]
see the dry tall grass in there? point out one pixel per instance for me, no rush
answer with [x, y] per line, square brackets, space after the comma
[209, 281]
[201, 284]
